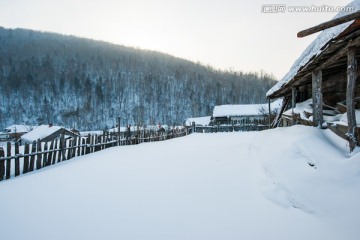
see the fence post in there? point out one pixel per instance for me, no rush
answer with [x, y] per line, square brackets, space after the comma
[2, 164]
[83, 142]
[38, 158]
[87, 149]
[49, 158]
[8, 162]
[45, 155]
[62, 147]
[119, 128]
[92, 142]
[55, 147]
[69, 149]
[17, 160]
[26, 159]
[73, 147]
[32, 157]
[78, 143]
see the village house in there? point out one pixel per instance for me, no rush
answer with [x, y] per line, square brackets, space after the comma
[46, 133]
[237, 114]
[321, 89]
[14, 132]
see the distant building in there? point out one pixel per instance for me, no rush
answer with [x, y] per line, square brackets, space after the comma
[199, 121]
[14, 132]
[46, 133]
[237, 114]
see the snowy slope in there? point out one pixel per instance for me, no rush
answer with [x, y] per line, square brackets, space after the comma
[246, 185]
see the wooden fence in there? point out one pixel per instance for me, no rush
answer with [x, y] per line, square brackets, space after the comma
[16, 160]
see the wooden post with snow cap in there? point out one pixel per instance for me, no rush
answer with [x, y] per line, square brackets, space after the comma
[350, 93]
[317, 98]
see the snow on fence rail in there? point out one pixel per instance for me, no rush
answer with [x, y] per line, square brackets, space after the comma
[16, 160]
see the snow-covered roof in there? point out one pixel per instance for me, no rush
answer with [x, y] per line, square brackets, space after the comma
[19, 128]
[40, 132]
[244, 109]
[204, 121]
[315, 48]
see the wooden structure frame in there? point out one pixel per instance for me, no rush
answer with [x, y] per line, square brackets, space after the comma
[329, 77]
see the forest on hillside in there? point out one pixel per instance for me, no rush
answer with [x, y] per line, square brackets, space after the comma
[87, 84]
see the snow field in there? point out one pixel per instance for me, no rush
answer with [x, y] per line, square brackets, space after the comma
[245, 185]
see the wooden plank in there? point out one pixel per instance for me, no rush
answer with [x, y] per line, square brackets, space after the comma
[73, 148]
[69, 151]
[32, 157]
[329, 24]
[62, 148]
[87, 149]
[17, 160]
[92, 140]
[50, 155]
[276, 121]
[8, 162]
[103, 140]
[38, 156]
[83, 142]
[350, 95]
[96, 141]
[79, 146]
[317, 98]
[2, 164]
[45, 155]
[55, 154]
[26, 158]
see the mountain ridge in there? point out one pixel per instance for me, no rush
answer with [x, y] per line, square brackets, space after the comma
[86, 84]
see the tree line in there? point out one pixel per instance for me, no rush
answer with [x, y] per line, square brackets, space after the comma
[87, 84]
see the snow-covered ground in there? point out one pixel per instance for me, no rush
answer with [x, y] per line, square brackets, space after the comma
[286, 183]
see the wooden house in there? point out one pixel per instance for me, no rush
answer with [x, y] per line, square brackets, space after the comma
[46, 133]
[16, 131]
[237, 114]
[324, 77]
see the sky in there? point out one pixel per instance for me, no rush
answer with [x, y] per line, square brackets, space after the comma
[238, 35]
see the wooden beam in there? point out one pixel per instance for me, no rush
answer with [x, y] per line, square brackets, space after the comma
[317, 98]
[276, 121]
[350, 93]
[329, 24]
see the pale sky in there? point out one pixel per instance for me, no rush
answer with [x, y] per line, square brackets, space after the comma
[226, 34]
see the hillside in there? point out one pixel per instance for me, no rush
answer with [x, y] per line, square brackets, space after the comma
[86, 84]
[241, 185]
